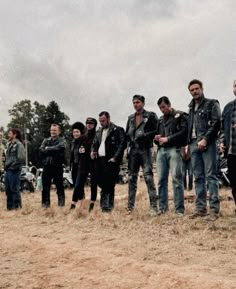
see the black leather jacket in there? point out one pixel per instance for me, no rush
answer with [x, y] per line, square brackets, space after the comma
[207, 119]
[114, 144]
[226, 124]
[175, 128]
[52, 151]
[141, 136]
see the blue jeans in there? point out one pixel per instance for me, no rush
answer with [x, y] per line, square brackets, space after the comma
[169, 158]
[12, 185]
[205, 173]
[141, 158]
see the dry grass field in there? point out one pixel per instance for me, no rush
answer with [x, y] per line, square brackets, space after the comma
[55, 248]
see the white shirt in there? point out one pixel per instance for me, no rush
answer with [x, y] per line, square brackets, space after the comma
[102, 150]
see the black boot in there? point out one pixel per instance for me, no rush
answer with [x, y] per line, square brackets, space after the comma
[72, 206]
[91, 207]
[46, 205]
[61, 202]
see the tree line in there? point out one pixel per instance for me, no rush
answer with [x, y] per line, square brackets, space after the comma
[34, 121]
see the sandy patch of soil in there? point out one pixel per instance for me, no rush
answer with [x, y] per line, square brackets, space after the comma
[56, 248]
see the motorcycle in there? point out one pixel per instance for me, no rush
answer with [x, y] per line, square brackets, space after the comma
[223, 172]
[67, 179]
[27, 180]
[123, 175]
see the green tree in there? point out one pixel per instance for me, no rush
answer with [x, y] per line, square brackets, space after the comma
[54, 115]
[34, 121]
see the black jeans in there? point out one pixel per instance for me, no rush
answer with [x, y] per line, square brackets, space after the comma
[141, 158]
[78, 193]
[107, 175]
[74, 173]
[56, 174]
[80, 181]
[93, 180]
[231, 169]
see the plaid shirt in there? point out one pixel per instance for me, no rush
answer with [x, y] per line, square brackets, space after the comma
[232, 146]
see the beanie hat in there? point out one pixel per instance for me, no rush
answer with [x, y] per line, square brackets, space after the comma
[78, 125]
[91, 120]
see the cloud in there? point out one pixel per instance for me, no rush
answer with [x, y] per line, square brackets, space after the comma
[94, 55]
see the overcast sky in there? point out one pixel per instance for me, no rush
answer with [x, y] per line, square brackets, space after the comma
[94, 55]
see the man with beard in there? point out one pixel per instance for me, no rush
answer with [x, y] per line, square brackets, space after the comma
[203, 127]
[108, 148]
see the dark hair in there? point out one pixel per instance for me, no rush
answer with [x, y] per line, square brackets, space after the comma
[195, 81]
[106, 113]
[17, 133]
[164, 99]
[139, 97]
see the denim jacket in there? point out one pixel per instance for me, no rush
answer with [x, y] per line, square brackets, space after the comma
[207, 119]
[143, 134]
[226, 124]
[15, 155]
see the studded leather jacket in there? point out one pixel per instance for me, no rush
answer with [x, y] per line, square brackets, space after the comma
[174, 127]
[142, 135]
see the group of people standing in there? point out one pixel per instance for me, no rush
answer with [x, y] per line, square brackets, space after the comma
[99, 153]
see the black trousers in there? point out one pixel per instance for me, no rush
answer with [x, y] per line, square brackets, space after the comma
[80, 181]
[93, 180]
[56, 174]
[231, 160]
[74, 173]
[107, 175]
[78, 193]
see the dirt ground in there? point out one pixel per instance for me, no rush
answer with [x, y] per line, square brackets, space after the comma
[56, 248]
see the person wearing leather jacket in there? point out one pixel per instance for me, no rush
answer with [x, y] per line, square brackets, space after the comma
[107, 150]
[228, 140]
[203, 128]
[77, 163]
[77, 132]
[140, 131]
[171, 135]
[82, 163]
[52, 151]
[15, 158]
[91, 124]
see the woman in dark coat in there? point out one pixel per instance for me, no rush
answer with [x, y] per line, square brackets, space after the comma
[76, 160]
[84, 166]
